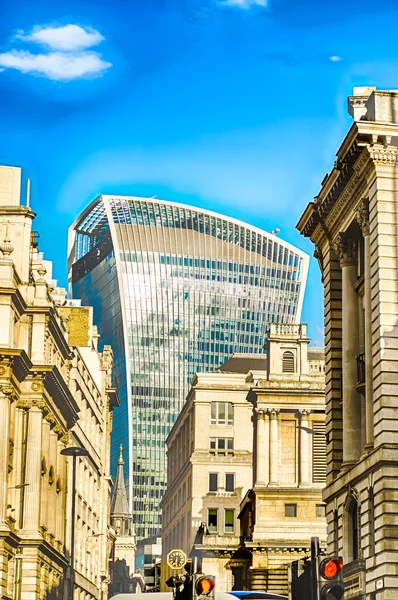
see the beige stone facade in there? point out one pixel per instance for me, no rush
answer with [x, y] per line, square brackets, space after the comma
[55, 391]
[284, 509]
[353, 225]
[268, 413]
[209, 471]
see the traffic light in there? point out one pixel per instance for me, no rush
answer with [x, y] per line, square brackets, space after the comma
[182, 586]
[330, 578]
[301, 579]
[203, 586]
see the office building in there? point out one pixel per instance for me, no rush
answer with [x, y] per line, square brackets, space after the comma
[176, 290]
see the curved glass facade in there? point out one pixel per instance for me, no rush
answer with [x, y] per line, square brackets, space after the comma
[176, 290]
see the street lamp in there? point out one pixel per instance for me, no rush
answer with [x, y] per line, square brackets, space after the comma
[74, 452]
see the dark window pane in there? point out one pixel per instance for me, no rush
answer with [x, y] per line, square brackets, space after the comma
[213, 482]
[212, 520]
[290, 510]
[230, 482]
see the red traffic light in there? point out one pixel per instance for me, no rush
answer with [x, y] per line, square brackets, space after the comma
[204, 586]
[330, 568]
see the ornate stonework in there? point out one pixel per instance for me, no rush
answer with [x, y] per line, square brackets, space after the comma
[362, 216]
[346, 250]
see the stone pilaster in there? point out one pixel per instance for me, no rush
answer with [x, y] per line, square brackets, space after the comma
[262, 445]
[31, 509]
[274, 447]
[362, 217]
[346, 250]
[6, 393]
[304, 448]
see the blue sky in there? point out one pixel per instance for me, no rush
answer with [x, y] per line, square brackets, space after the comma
[233, 105]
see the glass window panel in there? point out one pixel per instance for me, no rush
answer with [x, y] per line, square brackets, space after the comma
[230, 482]
[229, 520]
[213, 482]
[212, 520]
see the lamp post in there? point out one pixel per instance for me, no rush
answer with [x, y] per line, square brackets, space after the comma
[74, 452]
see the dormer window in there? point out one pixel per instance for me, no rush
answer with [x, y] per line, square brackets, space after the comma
[288, 362]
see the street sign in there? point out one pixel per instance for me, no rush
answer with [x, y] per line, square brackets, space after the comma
[176, 559]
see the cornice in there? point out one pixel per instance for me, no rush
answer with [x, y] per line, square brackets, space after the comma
[56, 387]
[14, 362]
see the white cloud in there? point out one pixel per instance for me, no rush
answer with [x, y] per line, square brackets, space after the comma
[63, 37]
[245, 4]
[67, 56]
[335, 58]
[57, 66]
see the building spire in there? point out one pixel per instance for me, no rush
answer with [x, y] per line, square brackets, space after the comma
[119, 505]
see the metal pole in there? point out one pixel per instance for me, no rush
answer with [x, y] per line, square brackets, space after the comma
[72, 534]
[314, 567]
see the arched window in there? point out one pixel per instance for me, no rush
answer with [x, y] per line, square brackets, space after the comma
[288, 362]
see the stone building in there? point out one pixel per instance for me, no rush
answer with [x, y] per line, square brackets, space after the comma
[353, 225]
[209, 469]
[55, 391]
[284, 508]
[248, 514]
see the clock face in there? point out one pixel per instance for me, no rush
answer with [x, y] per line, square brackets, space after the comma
[176, 559]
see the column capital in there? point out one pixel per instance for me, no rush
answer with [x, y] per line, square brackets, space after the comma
[262, 413]
[273, 412]
[8, 391]
[304, 413]
[346, 250]
[362, 216]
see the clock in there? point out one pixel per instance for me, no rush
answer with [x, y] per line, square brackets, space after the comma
[176, 559]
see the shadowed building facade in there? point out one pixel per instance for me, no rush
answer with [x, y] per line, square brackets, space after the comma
[353, 225]
[176, 290]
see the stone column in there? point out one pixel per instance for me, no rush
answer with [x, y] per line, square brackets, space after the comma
[274, 448]
[262, 448]
[5, 393]
[346, 250]
[362, 217]
[31, 508]
[304, 448]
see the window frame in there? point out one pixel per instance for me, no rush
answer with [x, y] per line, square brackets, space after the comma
[292, 505]
[230, 510]
[210, 527]
[228, 419]
[216, 476]
[233, 482]
[219, 451]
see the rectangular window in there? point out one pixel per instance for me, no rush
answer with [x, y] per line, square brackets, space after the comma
[230, 482]
[320, 511]
[222, 446]
[290, 510]
[221, 413]
[213, 482]
[212, 520]
[229, 517]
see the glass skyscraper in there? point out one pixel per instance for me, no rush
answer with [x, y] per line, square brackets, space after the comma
[175, 290]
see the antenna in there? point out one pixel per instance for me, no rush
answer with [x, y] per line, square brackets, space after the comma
[28, 193]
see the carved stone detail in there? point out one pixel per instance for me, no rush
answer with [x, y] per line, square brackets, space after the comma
[8, 391]
[346, 250]
[273, 413]
[261, 413]
[362, 216]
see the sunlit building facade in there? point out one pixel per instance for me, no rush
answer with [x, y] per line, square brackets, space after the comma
[176, 290]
